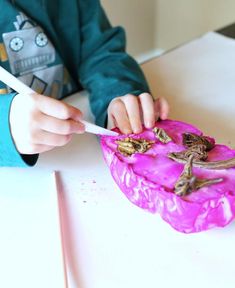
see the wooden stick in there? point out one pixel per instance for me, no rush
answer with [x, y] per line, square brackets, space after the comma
[58, 191]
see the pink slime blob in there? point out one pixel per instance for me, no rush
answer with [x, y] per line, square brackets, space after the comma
[148, 181]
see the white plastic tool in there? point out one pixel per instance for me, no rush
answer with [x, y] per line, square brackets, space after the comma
[21, 88]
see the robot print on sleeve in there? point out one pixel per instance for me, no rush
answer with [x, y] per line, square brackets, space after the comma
[32, 57]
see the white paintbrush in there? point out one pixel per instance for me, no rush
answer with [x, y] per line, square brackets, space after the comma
[21, 88]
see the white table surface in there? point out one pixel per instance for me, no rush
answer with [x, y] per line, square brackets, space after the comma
[110, 243]
[30, 238]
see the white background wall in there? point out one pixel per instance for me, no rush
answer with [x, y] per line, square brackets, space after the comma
[178, 21]
[137, 16]
[152, 24]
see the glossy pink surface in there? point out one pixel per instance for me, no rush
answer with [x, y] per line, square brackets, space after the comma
[148, 181]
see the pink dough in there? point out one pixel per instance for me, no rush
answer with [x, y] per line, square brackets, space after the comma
[148, 180]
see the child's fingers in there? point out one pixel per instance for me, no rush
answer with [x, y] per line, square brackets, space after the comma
[133, 111]
[161, 108]
[147, 105]
[164, 108]
[50, 139]
[126, 112]
[56, 108]
[58, 126]
[117, 113]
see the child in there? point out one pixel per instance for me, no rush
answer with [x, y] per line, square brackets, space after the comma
[54, 47]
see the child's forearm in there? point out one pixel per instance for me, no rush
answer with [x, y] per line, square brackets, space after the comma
[106, 70]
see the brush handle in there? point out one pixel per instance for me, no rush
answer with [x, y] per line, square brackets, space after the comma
[92, 128]
[14, 83]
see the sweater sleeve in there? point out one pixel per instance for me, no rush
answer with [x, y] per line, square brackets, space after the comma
[106, 70]
[9, 156]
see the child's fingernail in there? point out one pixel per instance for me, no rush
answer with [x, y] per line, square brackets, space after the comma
[149, 124]
[137, 130]
[127, 131]
[80, 128]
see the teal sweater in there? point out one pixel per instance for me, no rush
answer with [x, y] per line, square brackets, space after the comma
[74, 45]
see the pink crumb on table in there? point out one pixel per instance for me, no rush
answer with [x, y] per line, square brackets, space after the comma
[148, 179]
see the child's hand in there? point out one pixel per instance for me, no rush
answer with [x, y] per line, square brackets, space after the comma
[129, 112]
[40, 123]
